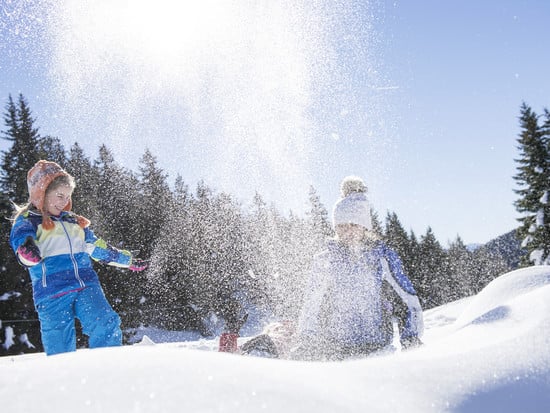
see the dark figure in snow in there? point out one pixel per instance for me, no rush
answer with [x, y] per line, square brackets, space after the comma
[57, 247]
[234, 320]
[275, 341]
[356, 287]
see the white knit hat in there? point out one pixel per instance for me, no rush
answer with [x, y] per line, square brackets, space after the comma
[353, 207]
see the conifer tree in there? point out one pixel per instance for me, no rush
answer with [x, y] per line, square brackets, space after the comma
[414, 261]
[430, 271]
[170, 278]
[86, 178]
[117, 199]
[261, 232]
[397, 238]
[23, 153]
[294, 244]
[533, 178]
[377, 227]
[52, 149]
[486, 266]
[115, 216]
[261, 250]
[319, 222]
[458, 272]
[154, 197]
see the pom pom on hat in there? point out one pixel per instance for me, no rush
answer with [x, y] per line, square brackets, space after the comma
[353, 207]
[39, 177]
[352, 184]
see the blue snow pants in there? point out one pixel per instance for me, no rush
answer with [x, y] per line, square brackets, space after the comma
[99, 321]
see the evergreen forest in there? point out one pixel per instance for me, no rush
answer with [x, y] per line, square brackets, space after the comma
[209, 256]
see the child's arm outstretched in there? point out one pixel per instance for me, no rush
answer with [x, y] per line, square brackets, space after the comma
[101, 251]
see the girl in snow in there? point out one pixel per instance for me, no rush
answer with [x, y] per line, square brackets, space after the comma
[56, 246]
[356, 287]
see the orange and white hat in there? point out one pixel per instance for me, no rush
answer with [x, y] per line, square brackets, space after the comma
[39, 177]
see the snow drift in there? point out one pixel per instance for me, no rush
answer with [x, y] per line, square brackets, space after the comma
[484, 353]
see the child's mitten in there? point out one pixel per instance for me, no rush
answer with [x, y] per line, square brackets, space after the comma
[29, 253]
[138, 265]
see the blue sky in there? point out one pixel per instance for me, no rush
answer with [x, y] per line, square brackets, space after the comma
[419, 98]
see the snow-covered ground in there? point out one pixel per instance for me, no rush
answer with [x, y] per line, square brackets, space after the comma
[487, 353]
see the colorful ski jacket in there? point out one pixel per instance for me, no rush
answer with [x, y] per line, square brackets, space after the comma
[350, 301]
[66, 252]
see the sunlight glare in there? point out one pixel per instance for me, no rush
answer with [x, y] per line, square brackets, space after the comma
[164, 28]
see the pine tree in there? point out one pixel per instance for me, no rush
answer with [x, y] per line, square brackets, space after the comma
[230, 257]
[86, 178]
[301, 243]
[458, 272]
[377, 228]
[486, 266]
[115, 217]
[260, 236]
[414, 264]
[533, 178]
[279, 247]
[52, 149]
[319, 223]
[117, 199]
[154, 197]
[23, 153]
[430, 272]
[397, 238]
[261, 232]
[169, 301]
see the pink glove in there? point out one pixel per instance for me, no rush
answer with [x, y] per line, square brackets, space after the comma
[29, 253]
[138, 265]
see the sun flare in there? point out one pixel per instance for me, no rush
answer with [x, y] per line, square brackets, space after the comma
[162, 28]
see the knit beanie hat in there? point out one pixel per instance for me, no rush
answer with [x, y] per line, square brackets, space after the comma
[39, 177]
[353, 206]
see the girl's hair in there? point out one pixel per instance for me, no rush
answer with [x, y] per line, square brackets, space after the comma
[62, 180]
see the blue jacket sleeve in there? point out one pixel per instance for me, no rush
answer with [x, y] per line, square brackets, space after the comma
[20, 231]
[101, 251]
[413, 323]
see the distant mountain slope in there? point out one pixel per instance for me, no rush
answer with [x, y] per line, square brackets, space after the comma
[507, 246]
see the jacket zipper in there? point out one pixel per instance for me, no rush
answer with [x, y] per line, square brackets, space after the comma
[75, 265]
[44, 281]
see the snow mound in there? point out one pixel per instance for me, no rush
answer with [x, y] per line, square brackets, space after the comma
[145, 341]
[513, 307]
[490, 303]
[484, 353]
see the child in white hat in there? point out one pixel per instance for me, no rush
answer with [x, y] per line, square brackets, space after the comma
[355, 288]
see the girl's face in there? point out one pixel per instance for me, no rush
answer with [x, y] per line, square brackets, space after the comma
[350, 234]
[57, 199]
